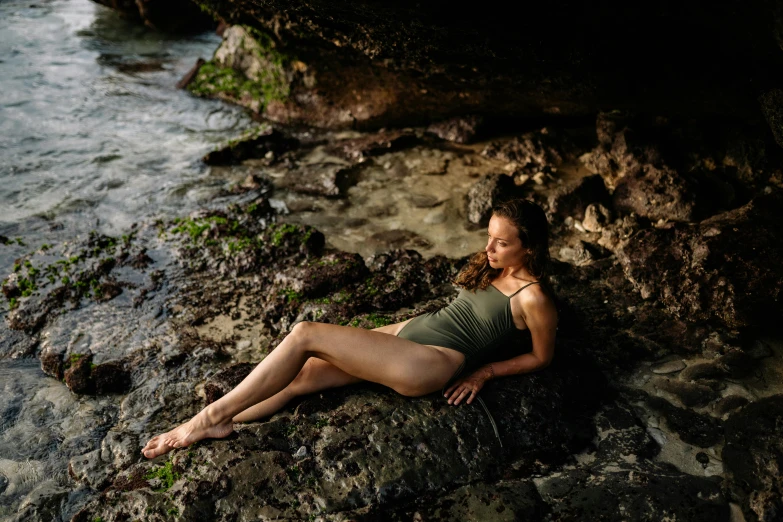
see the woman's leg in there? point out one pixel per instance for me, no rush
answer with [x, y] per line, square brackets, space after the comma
[407, 367]
[316, 375]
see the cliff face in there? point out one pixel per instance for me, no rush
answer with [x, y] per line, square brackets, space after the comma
[373, 64]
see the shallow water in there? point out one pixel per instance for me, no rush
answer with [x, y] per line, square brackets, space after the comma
[94, 135]
[93, 132]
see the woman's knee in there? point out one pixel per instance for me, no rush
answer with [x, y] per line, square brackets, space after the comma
[302, 333]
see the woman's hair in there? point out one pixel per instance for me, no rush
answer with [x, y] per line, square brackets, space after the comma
[531, 223]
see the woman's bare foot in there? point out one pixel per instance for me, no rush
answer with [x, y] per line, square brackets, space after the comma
[186, 434]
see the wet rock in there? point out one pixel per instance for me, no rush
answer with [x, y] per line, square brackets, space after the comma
[4, 240]
[621, 435]
[190, 75]
[374, 144]
[693, 428]
[170, 16]
[669, 367]
[111, 377]
[463, 129]
[226, 380]
[621, 150]
[257, 144]
[690, 394]
[753, 455]
[400, 239]
[705, 370]
[660, 193]
[424, 200]
[596, 217]
[324, 275]
[533, 152]
[487, 192]
[583, 253]
[77, 376]
[323, 179]
[626, 492]
[724, 270]
[572, 199]
[729, 404]
[506, 500]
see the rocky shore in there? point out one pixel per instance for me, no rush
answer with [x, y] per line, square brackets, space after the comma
[664, 399]
[355, 201]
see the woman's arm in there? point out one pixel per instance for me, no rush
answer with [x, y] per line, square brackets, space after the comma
[538, 311]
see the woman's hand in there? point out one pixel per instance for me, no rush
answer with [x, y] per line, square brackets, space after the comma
[469, 386]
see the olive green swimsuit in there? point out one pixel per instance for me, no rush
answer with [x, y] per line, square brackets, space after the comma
[475, 324]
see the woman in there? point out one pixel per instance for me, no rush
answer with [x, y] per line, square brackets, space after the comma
[501, 295]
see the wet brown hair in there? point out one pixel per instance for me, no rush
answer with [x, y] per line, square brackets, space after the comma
[533, 227]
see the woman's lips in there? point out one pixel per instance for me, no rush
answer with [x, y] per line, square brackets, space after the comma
[493, 260]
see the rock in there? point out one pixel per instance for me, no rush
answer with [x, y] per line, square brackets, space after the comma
[329, 273]
[660, 193]
[190, 75]
[170, 16]
[693, 428]
[111, 377]
[77, 376]
[621, 150]
[572, 199]
[424, 200]
[669, 367]
[753, 456]
[255, 144]
[324, 179]
[625, 492]
[374, 144]
[723, 270]
[463, 129]
[690, 394]
[583, 253]
[729, 404]
[400, 239]
[771, 103]
[4, 240]
[705, 370]
[301, 452]
[225, 380]
[760, 350]
[503, 501]
[487, 192]
[596, 217]
[533, 152]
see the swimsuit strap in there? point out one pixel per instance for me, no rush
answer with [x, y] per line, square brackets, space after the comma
[515, 293]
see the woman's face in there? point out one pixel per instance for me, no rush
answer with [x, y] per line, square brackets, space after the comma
[504, 248]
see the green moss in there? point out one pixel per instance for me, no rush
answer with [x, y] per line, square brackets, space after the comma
[291, 295]
[19, 241]
[165, 474]
[322, 423]
[74, 358]
[13, 303]
[378, 320]
[97, 519]
[294, 472]
[279, 232]
[272, 84]
[174, 512]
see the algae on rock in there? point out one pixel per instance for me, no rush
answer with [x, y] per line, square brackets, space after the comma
[247, 69]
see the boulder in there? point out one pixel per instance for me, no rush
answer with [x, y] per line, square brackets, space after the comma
[486, 193]
[461, 129]
[724, 270]
[753, 455]
[572, 199]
